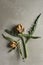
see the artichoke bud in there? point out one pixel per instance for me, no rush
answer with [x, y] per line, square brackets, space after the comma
[20, 28]
[13, 44]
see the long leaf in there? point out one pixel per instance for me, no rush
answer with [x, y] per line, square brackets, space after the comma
[32, 29]
[35, 37]
[7, 38]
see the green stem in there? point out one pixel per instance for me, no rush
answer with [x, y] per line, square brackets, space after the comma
[25, 35]
[24, 47]
[29, 36]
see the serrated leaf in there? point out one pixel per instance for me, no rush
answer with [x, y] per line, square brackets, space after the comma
[32, 29]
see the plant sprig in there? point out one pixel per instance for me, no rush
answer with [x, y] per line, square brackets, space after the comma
[21, 36]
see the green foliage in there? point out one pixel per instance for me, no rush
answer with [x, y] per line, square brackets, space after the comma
[32, 29]
[21, 36]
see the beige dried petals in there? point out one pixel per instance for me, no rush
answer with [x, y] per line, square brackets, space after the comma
[20, 28]
[13, 44]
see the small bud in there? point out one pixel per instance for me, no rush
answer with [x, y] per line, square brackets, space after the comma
[20, 28]
[13, 44]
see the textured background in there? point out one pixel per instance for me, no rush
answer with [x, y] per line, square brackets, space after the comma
[25, 12]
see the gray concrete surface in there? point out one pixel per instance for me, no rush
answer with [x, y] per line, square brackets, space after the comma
[21, 11]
